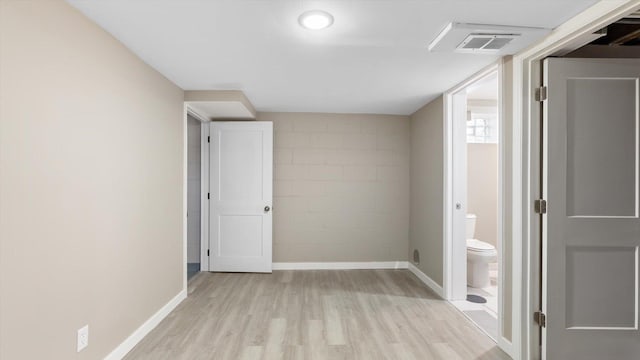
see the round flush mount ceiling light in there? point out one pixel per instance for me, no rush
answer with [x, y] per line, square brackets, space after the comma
[315, 20]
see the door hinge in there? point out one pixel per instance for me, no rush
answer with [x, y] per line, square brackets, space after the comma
[540, 206]
[540, 318]
[208, 139]
[541, 93]
[207, 252]
[208, 196]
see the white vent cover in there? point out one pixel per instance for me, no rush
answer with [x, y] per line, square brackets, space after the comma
[485, 39]
[486, 42]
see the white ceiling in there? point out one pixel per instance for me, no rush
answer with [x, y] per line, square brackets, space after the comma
[372, 60]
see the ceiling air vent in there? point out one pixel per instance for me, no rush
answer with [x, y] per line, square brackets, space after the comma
[486, 42]
[485, 39]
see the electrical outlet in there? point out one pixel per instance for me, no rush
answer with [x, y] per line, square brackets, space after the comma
[83, 338]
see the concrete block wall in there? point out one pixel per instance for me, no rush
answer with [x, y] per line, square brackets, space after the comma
[341, 187]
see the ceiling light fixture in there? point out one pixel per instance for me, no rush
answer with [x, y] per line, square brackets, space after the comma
[315, 20]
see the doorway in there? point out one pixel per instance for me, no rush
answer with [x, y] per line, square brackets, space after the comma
[590, 230]
[194, 195]
[473, 228]
[227, 192]
[551, 257]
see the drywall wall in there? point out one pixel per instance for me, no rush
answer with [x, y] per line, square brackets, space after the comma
[193, 189]
[341, 188]
[427, 188]
[509, 143]
[482, 190]
[91, 169]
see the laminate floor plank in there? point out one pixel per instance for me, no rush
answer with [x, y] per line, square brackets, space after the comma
[314, 315]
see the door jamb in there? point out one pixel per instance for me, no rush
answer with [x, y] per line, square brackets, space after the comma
[204, 178]
[526, 224]
[452, 256]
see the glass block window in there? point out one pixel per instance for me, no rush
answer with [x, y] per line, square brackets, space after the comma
[482, 128]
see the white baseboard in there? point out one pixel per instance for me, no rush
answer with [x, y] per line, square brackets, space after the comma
[427, 280]
[126, 346]
[370, 265]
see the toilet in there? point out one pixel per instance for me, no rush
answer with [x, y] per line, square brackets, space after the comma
[479, 255]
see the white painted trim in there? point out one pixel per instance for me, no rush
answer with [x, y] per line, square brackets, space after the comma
[369, 265]
[204, 201]
[431, 284]
[506, 346]
[517, 191]
[204, 188]
[191, 111]
[525, 226]
[502, 194]
[455, 262]
[144, 329]
[185, 194]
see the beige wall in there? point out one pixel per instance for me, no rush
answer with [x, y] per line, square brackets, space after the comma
[91, 147]
[507, 187]
[341, 189]
[482, 190]
[427, 190]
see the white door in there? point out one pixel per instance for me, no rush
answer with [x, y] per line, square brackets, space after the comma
[241, 158]
[591, 231]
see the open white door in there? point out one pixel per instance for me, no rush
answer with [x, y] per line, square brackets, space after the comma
[591, 231]
[241, 157]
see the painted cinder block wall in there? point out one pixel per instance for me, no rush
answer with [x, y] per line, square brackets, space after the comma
[341, 187]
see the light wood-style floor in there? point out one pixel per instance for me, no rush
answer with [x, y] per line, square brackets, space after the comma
[354, 314]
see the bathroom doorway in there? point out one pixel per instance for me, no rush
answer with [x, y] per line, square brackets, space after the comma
[473, 271]
[482, 134]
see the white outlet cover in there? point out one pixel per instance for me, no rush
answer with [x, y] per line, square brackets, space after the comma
[83, 337]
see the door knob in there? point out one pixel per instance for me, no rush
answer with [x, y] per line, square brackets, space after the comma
[458, 206]
[267, 209]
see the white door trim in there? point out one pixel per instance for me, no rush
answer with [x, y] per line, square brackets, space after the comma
[525, 225]
[450, 258]
[204, 209]
[455, 256]
[204, 199]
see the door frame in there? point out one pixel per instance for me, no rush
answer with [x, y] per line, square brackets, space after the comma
[526, 225]
[204, 179]
[204, 191]
[454, 281]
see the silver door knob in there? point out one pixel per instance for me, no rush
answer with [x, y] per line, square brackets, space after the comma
[267, 209]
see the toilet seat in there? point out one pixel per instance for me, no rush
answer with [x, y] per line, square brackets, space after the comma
[479, 246]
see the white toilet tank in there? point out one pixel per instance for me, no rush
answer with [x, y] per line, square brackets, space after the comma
[471, 225]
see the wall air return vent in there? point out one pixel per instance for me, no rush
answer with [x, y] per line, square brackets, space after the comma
[485, 39]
